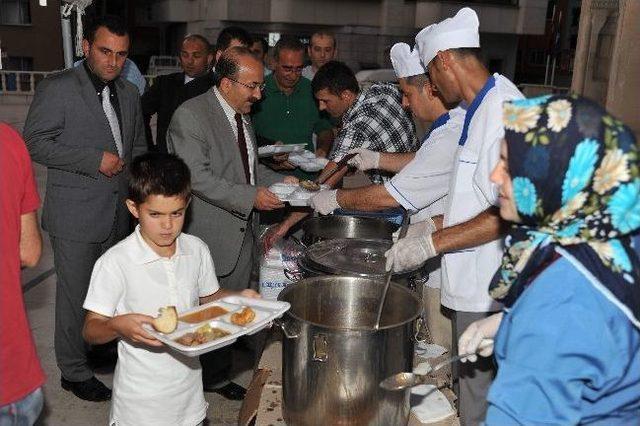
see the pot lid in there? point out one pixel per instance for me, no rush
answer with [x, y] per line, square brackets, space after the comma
[348, 256]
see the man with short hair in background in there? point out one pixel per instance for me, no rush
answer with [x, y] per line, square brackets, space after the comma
[231, 37]
[169, 91]
[288, 112]
[260, 49]
[322, 49]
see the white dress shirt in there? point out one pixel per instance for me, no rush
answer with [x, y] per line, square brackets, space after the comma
[466, 274]
[231, 116]
[153, 386]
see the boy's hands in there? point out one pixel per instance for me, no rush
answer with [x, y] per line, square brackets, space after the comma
[250, 293]
[129, 326]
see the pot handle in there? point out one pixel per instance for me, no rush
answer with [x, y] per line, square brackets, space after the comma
[422, 331]
[298, 241]
[289, 331]
[293, 276]
[320, 352]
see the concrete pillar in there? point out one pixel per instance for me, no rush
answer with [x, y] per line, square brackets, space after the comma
[607, 60]
[623, 92]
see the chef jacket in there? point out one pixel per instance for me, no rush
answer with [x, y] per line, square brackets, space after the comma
[466, 273]
[422, 185]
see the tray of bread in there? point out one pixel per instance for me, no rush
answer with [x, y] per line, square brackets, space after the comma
[214, 325]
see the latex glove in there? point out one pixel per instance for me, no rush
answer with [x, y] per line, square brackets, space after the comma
[365, 160]
[478, 337]
[409, 253]
[426, 226]
[325, 201]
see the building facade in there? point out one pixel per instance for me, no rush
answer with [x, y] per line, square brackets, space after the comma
[365, 29]
[30, 35]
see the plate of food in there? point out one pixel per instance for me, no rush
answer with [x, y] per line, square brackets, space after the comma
[296, 194]
[214, 325]
[270, 150]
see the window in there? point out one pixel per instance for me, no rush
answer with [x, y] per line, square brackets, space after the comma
[15, 12]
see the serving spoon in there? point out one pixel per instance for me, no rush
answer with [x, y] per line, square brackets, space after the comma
[405, 380]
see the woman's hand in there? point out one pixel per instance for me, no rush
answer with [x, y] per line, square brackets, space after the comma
[478, 337]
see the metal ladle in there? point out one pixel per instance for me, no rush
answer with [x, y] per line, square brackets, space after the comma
[403, 232]
[405, 380]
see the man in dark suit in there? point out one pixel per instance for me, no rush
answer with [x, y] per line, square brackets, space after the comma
[85, 124]
[213, 134]
[168, 92]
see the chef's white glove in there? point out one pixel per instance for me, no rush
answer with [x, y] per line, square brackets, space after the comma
[365, 160]
[426, 226]
[478, 337]
[409, 253]
[325, 202]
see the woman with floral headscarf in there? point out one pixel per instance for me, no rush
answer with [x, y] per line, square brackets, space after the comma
[568, 342]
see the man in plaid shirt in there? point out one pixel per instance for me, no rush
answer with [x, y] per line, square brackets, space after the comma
[372, 119]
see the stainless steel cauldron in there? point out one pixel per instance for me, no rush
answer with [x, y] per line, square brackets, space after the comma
[331, 227]
[333, 360]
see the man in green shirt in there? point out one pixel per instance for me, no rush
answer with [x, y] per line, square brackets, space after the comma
[288, 112]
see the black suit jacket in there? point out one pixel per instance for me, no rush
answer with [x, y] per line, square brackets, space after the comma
[164, 97]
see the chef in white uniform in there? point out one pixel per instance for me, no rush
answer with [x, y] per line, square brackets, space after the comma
[422, 183]
[471, 238]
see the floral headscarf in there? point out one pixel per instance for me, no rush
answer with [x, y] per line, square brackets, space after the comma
[576, 184]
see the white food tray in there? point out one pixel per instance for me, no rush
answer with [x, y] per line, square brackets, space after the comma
[266, 311]
[269, 150]
[307, 161]
[294, 194]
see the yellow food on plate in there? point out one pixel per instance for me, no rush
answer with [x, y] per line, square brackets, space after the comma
[244, 317]
[202, 335]
[167, 320]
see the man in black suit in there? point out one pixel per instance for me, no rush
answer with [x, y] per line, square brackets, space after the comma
[168, 92]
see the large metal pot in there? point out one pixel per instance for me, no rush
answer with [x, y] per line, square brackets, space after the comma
[331, 227]
[333, 359]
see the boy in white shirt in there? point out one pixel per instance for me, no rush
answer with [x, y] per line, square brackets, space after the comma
[155, 266]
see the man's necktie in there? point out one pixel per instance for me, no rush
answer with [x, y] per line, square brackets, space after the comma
[112, 118]
[242, 144]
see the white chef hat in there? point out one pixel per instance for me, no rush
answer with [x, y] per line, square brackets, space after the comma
[406, 63]
[452, 33]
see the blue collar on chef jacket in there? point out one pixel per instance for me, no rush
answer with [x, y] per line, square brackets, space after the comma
[491, 82]
[439, 122]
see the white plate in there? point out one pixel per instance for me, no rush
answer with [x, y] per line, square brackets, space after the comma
[270, 150]
[266, 311]
[294, 194]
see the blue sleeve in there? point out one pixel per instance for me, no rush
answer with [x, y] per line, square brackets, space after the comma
[550, 347]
